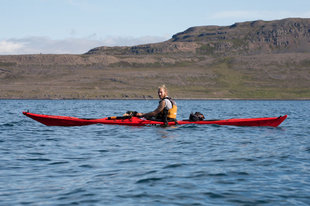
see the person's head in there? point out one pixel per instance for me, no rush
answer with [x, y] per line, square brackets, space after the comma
[162, 92]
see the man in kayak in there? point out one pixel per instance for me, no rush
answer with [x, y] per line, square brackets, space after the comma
[166, 110]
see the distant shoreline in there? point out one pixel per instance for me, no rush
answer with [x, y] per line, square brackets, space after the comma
[244, 61]
[207, 99]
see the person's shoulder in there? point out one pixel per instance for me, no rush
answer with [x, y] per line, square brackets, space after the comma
[166, 100]
[171, 100]
[162, 101]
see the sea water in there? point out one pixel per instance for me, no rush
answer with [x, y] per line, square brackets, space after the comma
[179, 165]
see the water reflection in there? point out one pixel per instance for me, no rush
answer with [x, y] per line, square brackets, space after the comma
[167, 132]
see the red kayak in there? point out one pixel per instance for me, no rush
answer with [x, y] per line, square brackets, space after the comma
[52, 120]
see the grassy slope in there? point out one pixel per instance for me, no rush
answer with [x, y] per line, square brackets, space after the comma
[236, 77]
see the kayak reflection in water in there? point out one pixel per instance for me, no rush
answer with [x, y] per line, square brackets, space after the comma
[166, 110]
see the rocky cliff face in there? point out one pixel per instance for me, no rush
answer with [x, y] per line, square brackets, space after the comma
[167, 47]
[287, 35]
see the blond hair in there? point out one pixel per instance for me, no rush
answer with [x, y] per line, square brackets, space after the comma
[163, 87]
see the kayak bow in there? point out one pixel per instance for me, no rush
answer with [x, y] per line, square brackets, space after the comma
[53, 120]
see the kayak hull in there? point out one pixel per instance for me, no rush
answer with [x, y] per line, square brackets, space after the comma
[53, 120]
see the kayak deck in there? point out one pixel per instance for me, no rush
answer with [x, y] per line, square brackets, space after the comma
[53, 120]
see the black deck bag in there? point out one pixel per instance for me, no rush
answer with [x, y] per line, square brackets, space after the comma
[196, 117]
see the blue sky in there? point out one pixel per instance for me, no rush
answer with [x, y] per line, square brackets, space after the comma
[75, 26]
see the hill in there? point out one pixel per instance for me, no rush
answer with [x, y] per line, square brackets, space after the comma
[281, 36]
[257, 59]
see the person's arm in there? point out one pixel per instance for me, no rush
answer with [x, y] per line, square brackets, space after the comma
[160, 108]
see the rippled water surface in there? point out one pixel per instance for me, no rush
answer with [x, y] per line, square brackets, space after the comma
[182, 165]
